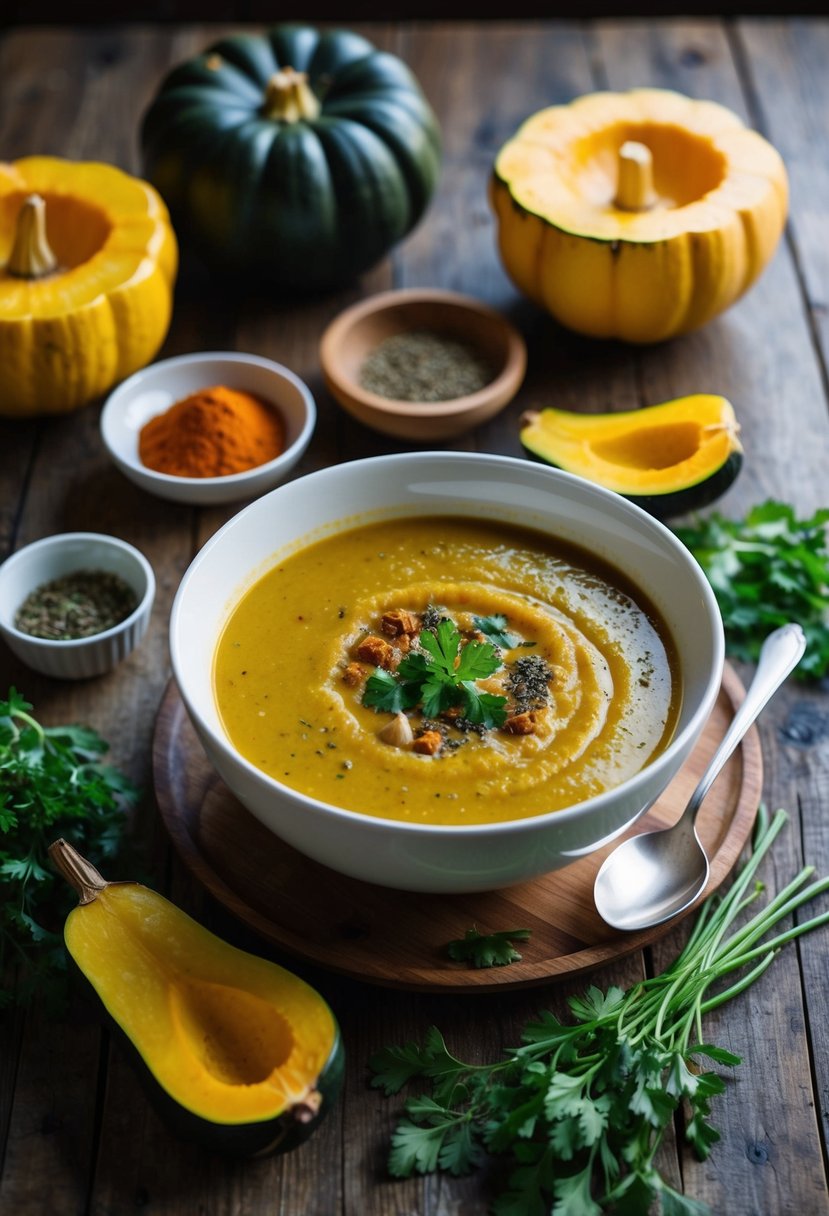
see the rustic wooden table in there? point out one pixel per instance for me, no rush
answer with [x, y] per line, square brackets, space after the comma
[76, 1134]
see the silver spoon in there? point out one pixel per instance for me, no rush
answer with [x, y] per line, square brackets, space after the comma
[650, 878]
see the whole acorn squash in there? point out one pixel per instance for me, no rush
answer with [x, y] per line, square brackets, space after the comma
[87, 265]
[296, 158]
[670, 458]
[637, 215]
[237, 1053]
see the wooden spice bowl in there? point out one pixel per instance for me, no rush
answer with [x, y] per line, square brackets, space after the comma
[358, 331]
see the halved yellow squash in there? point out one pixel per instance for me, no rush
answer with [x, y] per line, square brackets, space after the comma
[637, 215]
[669, 458]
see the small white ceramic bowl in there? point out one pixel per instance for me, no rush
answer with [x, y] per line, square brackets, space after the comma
[414, 856]
[155, 388]
[53, 557]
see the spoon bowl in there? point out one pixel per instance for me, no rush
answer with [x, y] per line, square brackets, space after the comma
[652, 877]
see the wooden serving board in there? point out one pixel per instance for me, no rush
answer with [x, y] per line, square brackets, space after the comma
[398, 939]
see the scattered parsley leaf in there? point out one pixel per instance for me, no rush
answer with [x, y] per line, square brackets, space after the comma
[580, 1109]
[488, 949]
[495, 628]
[52, 784]
[765, 570]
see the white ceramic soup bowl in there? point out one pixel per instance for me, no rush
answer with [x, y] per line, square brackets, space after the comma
[419, 857]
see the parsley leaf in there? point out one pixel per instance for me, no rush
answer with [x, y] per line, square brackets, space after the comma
[52, 783]
[488, 949]
[495, 627]
[766, 569]
[382, 691]
[439, 676]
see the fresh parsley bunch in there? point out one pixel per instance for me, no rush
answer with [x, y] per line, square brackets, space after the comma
[52, 784]
[441, 675]
[765, 570]
[581, 1107]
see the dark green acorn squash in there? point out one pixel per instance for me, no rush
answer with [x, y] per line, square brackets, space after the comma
[237, 1053]
[296, 158]
[670, 458]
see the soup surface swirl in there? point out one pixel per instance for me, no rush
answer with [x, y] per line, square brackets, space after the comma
[339, 672]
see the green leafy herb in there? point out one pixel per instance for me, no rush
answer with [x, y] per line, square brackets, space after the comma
[488, 949]
[765, 570]
[495, 628]
[581, 1107]
[440, 675]
[52, 783]
[383, 691]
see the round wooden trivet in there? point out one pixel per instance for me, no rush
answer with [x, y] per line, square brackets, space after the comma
[398, 939]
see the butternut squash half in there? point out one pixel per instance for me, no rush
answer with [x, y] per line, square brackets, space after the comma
[237, 1052]
[670, 458]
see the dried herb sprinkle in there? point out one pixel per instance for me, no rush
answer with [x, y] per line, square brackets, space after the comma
[528, 681]
[426, 366]
[77, 605]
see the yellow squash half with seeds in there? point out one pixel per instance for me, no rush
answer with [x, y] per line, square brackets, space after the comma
[637, 215]
[87, 264]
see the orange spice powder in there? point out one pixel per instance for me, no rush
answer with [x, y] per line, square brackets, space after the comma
[212, 433]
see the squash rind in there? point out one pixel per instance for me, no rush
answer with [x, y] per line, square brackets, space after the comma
[308, 204]
[701, 428]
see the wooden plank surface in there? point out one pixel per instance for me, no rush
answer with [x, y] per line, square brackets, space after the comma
[77, 1133]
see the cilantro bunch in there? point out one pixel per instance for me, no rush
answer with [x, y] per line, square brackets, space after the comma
[767, 569]
[439, 676]
[580, 1108]
[52, 784]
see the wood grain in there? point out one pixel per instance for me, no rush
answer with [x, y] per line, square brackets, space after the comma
[76, 1133]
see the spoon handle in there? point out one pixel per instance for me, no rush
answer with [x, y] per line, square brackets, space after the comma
[781, 652]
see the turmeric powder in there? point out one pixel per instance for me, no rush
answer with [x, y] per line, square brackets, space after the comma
[212, 433]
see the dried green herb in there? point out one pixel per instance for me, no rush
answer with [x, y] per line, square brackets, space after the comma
[421, 365]
[77, 605]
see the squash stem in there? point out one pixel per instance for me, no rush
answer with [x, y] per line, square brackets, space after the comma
[289, 98]
[31, 256]
[77, 871]
[634, 188]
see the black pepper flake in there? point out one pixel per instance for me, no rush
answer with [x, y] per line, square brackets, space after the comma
[528, 681]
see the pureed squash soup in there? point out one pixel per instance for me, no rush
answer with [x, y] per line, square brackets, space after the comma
[446, 670]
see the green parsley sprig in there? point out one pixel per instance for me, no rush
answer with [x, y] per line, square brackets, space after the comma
[439, 676]
[52, 783]
[766, 569]
[488, 949]
[580, 1108]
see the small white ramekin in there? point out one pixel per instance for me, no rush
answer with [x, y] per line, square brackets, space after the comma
[152, 391]
[56, 556]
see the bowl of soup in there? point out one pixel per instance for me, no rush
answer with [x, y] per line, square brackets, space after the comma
[446, 671]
